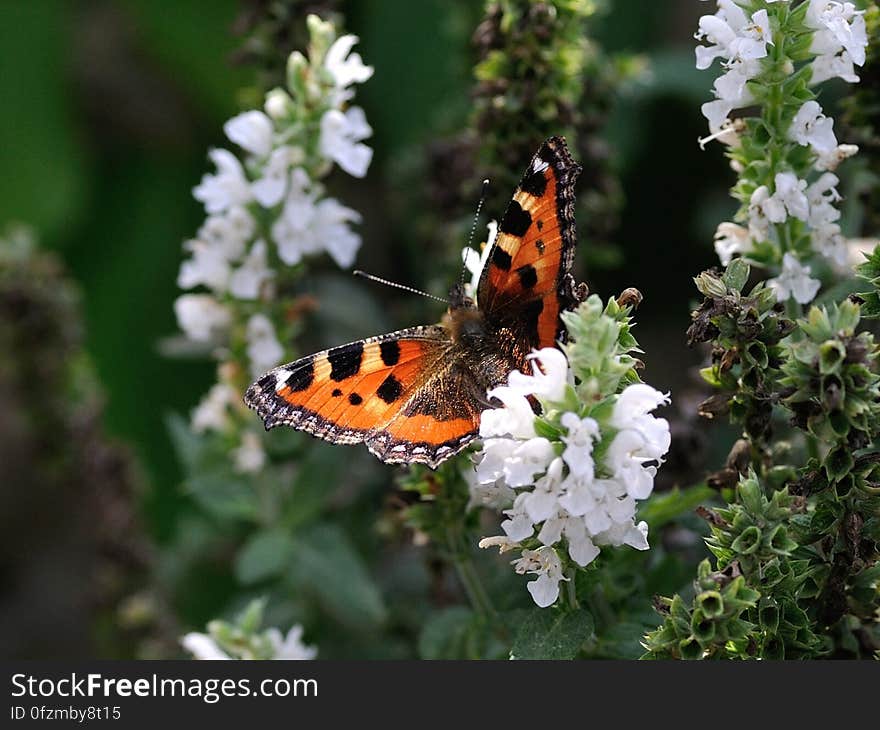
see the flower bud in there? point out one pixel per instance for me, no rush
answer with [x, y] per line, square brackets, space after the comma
[278, 104]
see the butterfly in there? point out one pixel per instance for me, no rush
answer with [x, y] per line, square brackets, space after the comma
[416, 395]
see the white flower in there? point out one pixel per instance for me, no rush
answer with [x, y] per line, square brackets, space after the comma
[475, 261]
[252, 131]
[545, 563]
[734, 38]
[542, 502]
[291, 229]
[515, 418]
[229, 231]
[811, 127]
[207, 266]
[345, 67]
[247, 279]
[492, 457]
[200, 316]
[832, 65]
[621, 533]
[625, 457]
[634, 404]
[527, 459]
[341, 140]
[269, 189]
[494, 495]
[838, 25]
[263, 350]
[759, 225]
[227, 187]
[828, 240]
[830, 160]
[581, 548]
[518, 526]
[729, 133]
[290, 646]
[613, 507]
[249, 457]
[331, 227]
[822, 195]
[579, 444]
[306, 228]
[789, 198]
[203, 646]
[795, 281]
[504, 544]
[642, 439]
[731, 239]
[549, 377]
[212, 412]
[732, 93]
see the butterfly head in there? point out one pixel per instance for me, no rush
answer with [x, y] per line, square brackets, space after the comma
[464, 321]
[458, 299]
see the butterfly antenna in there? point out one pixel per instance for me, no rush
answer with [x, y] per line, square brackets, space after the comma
[474, 224]
[395, 285]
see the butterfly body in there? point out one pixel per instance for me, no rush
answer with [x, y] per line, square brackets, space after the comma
[416, 395]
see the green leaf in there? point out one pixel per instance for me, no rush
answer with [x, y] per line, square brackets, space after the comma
[326, 564]
[446, 634]
[665, 507]
[548, 634]
[624, 640]
[320, 470]
[838, 463]
[265, 555]
[710, 375]
[224, 495]
[736, 275]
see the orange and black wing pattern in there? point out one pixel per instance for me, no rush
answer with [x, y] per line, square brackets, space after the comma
[526, 281]
[399, 394]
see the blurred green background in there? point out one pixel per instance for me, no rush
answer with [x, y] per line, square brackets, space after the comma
[109, 108]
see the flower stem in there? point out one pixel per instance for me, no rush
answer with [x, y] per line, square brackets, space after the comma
[571, 590]
[467, 574]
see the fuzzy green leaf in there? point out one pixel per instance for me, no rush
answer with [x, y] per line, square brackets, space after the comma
[548, 634]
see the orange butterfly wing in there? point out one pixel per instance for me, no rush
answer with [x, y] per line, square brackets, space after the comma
[416, 395]
[526, 279]
[396, 393]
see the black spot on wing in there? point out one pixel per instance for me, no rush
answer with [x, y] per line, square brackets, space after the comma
[529, 316]
[302, 376]
[390, 352]
[355, 399]
[501, 258]
[540, 225]
[528, 277]
[540, 245]
[390, 389]
[345, 361]
[336, 393]
[515, 221]
[534, 183]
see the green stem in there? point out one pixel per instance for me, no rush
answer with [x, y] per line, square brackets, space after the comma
[812, 446]
[571, 589]
[467, 574]
[602, 613]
